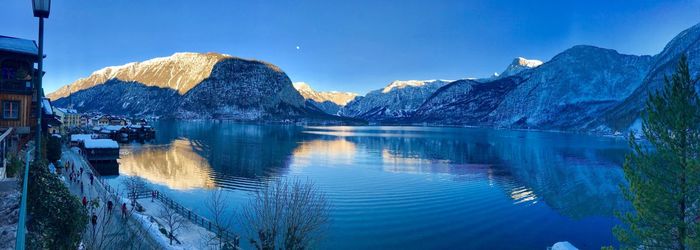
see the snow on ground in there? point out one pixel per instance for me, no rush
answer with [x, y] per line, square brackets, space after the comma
[9, 213]
[191, 236]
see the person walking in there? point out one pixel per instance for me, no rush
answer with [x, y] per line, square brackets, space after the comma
[84, 201]
[124, 210]
[92, 178]
[81, 172]
[109, 206]
[81, 186]
[153, 195]
[94, 219]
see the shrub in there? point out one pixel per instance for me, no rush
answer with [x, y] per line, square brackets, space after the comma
[57, 217]
[53, 149]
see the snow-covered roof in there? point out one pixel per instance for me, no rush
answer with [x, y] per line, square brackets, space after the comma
[18, 45]
[101, 143]
[114, 127]
[56, 135]
[80, 137]
[46, 105]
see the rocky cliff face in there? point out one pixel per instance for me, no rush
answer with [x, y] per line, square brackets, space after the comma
[189, 85]
[571, 89]
[398, 100]
[623, 115]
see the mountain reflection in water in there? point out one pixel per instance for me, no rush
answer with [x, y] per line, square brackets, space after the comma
[379, 177]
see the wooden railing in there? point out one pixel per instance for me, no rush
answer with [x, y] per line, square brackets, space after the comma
[195, 218]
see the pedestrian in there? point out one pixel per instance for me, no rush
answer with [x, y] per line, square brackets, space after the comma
[70, 176]
[124, 210]
[81, 187]
[81, 171]
[84, 201]
[91, 179]
[109, 206]
[94, 222]
[153, 195]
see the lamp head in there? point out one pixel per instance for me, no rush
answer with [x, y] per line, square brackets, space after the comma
[41, 8]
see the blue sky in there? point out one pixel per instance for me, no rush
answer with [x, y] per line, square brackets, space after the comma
[344, 45]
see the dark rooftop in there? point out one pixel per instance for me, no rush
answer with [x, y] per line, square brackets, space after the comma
[18, 45]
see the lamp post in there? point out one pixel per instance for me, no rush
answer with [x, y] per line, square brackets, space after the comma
[41, 10]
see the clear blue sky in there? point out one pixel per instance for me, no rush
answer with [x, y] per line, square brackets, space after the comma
[354, 45]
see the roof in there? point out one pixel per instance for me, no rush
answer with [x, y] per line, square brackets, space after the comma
[80, 137]
[101, 143]
[46, 105]
[18, 45]
[113, 127]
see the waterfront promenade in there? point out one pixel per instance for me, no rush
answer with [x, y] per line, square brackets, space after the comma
[140, 230]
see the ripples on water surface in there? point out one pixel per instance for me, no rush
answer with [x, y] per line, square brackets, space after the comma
[404, 187]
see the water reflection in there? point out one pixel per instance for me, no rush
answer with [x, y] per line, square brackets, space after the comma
[175, 165]
[405, 182]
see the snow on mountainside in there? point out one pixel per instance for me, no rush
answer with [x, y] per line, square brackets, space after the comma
[571, 89]
[181, 72]
[397, 100]
[565, 93]
[518, 65]
[330, 102]
[189, 85]
[340, 98]
[623, 116]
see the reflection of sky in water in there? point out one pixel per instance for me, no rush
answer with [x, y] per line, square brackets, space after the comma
[403, 187]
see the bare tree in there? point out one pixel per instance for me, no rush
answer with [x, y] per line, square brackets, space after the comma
[219, 210]
[173, 221]
[133, 185]
[289, 214]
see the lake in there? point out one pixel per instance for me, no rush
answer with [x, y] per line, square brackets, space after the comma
[403, 187]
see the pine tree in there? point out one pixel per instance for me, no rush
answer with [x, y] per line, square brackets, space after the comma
[663, 173]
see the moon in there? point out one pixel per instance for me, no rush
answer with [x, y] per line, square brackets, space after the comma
[298, 48]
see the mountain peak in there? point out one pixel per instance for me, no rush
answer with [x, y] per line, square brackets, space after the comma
[337, 97]
[399, 84]
[519, 64]
[179, 71]
[530, 63]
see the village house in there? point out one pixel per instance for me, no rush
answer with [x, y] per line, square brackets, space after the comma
[103, 120]
[18, 96]
[117, 121]
[84, 121]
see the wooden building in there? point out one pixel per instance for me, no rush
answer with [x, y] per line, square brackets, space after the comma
[18, 96]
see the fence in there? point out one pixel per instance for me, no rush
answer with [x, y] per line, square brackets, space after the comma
[22, 226]
[184, 212]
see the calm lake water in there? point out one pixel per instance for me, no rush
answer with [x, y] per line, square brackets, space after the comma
[403, 187]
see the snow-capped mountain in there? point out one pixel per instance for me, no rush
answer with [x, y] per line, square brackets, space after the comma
[189, 85]
[397, 100]
[572, 89]
[565, 93]
[518, 65]
[329, 101]
[180, 71]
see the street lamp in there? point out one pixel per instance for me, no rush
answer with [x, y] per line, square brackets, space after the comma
[41, 10]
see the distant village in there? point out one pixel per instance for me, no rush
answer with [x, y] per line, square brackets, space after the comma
[119, 128]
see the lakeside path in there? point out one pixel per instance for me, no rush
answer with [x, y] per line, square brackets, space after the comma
[140, 230]
[112, 231]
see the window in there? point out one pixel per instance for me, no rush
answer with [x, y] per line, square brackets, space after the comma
[10, 110]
